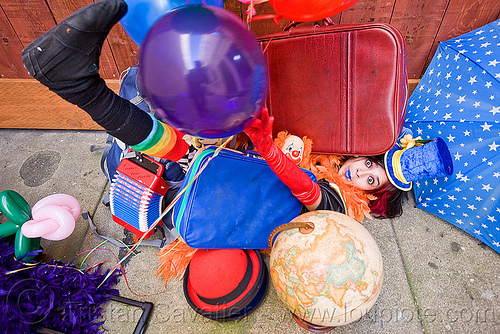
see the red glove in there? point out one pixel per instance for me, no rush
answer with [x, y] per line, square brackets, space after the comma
[301, 185]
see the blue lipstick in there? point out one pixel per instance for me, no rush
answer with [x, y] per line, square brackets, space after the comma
[348, 175]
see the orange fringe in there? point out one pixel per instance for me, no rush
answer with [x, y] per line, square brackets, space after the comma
[357, 200]
[174, 259]
[265, 251]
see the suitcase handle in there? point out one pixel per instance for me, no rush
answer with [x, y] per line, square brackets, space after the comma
[327, 21]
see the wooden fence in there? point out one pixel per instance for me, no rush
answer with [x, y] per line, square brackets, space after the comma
[25, 103]
[422, 22]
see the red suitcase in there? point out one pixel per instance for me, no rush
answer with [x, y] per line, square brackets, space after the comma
[343, 86]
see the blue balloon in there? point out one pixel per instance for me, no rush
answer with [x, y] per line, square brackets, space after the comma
[142, 14]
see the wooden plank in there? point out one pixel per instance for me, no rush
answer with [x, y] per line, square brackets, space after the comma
[412, 84]
[258, 27]
[62, 9]
[368, 11]
[123, 49]
[30, 18]
[461, 17]
[11, 46]
[27, 104]
[418, 21]
[235, 7]
[261, 27]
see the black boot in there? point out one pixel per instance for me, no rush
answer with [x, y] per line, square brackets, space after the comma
[66, 60]
[70, 51]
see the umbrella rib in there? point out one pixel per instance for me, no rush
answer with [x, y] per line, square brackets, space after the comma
[471, 60]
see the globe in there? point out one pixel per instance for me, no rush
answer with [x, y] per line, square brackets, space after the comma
[329, 274]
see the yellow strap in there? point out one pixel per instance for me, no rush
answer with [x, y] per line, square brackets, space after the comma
[396, 165]
[406, 143]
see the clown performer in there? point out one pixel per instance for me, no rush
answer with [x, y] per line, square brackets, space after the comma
[369, 185]
[66, 60]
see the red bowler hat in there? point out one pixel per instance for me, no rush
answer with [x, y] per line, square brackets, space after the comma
[225, 284]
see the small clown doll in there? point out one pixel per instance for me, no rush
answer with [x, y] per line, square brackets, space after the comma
[295, 148]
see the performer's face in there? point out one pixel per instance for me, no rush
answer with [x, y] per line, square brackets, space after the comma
[364, 173]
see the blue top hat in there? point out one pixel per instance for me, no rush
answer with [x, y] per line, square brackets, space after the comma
[433, 159]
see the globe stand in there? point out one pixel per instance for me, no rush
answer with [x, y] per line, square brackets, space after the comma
[311, 327]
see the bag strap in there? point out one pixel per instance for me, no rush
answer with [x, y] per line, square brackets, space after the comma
[304, 228]
[105, 152]
[168, 235]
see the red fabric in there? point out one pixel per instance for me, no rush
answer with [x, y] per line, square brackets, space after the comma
[180, 147]
[244, 296]
[215, 273]
[302, 187]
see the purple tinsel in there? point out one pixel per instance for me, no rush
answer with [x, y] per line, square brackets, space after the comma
[50, 295]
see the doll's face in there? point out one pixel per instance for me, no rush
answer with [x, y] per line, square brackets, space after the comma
[294, 149]
[364, 173]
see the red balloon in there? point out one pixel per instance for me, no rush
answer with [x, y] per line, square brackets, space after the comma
[309, 10]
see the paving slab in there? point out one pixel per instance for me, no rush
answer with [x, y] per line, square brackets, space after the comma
[394, 312]
[437, 278]
[455, 278]
[38, 163]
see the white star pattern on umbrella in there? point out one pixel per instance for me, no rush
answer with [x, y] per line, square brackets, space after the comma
[486, 127]
[487, 187]
[456, 100]
[493, 63]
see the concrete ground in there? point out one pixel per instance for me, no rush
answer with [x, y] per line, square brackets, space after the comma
[438, 279]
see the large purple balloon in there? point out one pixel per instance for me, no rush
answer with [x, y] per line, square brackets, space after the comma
[203, 71]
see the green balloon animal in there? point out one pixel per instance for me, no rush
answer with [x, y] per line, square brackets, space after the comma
[17, 211]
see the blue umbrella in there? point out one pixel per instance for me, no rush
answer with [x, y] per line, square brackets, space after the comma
[458, 99]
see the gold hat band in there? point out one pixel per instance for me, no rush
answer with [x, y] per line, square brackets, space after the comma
[396, 165]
